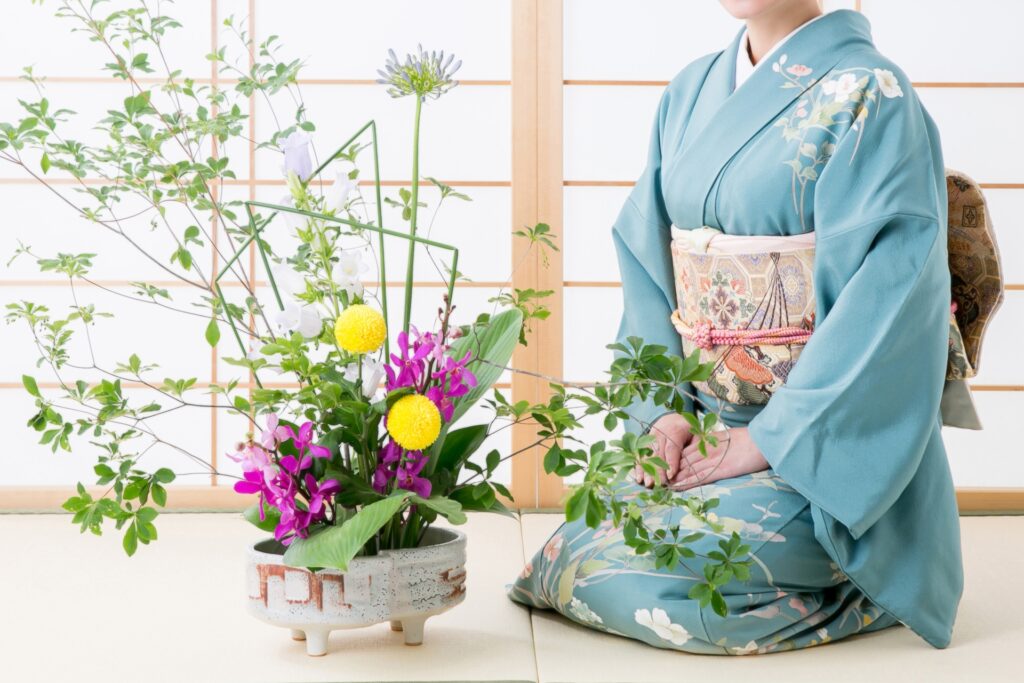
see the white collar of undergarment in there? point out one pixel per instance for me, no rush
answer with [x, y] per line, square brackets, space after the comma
[743, 66]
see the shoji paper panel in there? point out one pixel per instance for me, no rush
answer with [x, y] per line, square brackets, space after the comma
[465, 138]
[948, 40]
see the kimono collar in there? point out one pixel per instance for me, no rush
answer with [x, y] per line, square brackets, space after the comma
[724, 119]
[743, 66]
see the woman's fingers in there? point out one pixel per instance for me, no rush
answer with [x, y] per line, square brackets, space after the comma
[699, 469]
[673, 456]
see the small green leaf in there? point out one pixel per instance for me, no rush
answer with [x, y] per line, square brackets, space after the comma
[31, 386]
[130, 543]
[212, 333]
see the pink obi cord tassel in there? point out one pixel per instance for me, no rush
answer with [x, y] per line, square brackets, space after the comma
[705, 336]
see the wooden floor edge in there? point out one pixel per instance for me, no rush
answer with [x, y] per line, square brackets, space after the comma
[14, 499]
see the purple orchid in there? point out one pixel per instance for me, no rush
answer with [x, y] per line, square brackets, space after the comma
[407, 477]
[388, 458]
[304, 440]
[403, 470]
[252, 458]
[279, 479]
[274, 434]
[319, 493]
[409, 365]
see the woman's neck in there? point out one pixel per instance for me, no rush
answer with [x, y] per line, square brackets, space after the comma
[771, 26]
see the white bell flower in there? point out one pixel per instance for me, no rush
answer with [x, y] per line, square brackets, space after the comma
[373, 373]
[337, 195]
[295, 318]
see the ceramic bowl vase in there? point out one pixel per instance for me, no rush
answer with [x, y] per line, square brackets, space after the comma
[404, 587]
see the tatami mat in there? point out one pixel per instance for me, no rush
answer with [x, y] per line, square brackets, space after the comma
[987, 641]
[74, 608]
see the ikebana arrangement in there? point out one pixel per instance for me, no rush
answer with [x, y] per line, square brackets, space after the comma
[351, 463]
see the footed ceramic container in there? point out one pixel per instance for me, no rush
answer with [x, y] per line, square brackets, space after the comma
[404, 587]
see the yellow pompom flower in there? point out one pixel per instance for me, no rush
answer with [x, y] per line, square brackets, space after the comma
[414, 422]
[360, 329]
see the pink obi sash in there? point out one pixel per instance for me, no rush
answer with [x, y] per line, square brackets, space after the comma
[745, 304]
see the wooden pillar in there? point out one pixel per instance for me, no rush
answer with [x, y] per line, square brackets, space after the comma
[536, 198]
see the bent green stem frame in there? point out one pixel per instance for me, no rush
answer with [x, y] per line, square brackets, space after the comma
[257, 227]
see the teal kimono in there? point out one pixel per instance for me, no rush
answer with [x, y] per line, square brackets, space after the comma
[855, 526]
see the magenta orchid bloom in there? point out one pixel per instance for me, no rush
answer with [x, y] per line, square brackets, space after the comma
[442, 401]
[294, 466]
[252, 458]
[405, 472]
[387, 463]
[410, 363]
[274, 434]
[319, 493]
[407, 477]
[303, 441]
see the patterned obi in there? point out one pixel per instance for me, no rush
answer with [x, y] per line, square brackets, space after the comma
[746, 303]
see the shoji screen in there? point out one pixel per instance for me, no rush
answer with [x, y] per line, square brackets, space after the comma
[617, 58]
[466, 142]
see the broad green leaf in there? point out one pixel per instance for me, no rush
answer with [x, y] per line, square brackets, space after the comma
[446, 507]
[335, 546]
[271, 516]
[458, 445]
[491, 348]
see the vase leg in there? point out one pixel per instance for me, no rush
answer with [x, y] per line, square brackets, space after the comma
[413, 627]
[298, 634]
[396, 625]
[316, 642]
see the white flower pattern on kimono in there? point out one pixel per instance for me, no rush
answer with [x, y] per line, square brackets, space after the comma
[841, 87]
[839, 99]
[658, 621]
[887, 83]
[583, 612]
[748, 649]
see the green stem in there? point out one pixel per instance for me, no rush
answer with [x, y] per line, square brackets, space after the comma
[380, 240]
[412, 218]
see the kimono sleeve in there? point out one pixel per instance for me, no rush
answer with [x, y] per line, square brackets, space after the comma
[642, 237]
[849, 428]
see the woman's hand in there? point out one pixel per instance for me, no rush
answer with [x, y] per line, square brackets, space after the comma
[671, 434]
[735, 455]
